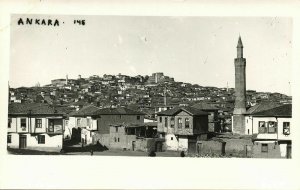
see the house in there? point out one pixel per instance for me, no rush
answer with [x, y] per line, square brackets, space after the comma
[82, 126]
[127, 136]
[93, 124]
[272, 128]
[213, 118]
[182, 127]
[263, 106]
[35, 126]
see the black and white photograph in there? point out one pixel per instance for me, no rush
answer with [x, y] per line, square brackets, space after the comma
[150, 86]
[99, 98]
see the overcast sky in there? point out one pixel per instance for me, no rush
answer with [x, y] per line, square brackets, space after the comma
[198, 50]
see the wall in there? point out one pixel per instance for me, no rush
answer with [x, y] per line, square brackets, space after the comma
[210, 147]
[252, 124]
[103, 139]
[105, 121]
[200, 124]
[213, 124]
[182, 143]
[119, 139]
[67, 129]
[182, 130]
[87, 135]
[171, 142]
[30, 124]
[161, 126]
[273, 150]
[52, 142]
[72, 122]
[237, 147]
[145, 144]
[233, 147]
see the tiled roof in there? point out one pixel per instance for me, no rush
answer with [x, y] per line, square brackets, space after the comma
[132, 125]
[117, 111]
[85, 111]
[33, 109]
[205, 106]
[281, 111]
[262, 106]
[188, 109]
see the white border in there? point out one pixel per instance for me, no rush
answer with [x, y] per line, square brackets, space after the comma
[132, 172]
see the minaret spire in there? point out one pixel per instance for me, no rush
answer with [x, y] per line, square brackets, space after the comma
[240, 48]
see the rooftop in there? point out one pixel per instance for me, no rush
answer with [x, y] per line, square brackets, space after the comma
[117, 111]
[281, 111]
[87, 110]
[188, 109]
[205, 106]
[34, 109]
[262, 107]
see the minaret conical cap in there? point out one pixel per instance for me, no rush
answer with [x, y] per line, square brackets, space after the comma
[240, 43]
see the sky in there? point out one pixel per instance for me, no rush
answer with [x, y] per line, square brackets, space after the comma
[197, 50]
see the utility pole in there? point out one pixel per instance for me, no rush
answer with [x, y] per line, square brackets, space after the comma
[165, 96]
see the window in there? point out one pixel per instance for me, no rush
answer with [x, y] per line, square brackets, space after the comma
[38, 123]
[171, 138]
[78, 122]
[264, 147]
[9, 123]
[115, 139]
[248, 131]
[51, 126]
[160, 119]
[138, 117]
[179, 122]
[23, 124]
[116, 129]
[166, 122]
[272, 127]
[41, 139]
[187, 122]
[88, 122]
[262, 127]
[286, 128]
[8, 138]
[118, 139]
[172, 122]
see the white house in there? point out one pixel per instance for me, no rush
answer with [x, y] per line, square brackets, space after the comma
[82, 119]
[35, 126]
[273, 129]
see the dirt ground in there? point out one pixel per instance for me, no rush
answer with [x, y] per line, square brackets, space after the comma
[95, 153]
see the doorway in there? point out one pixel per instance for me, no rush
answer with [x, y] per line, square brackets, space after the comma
[158, 146]
[22, 141]
[199, 145]
[289, 151]
[133, 145]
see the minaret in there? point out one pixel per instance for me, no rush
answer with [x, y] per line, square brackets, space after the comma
[238, 120]
[67, 79]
